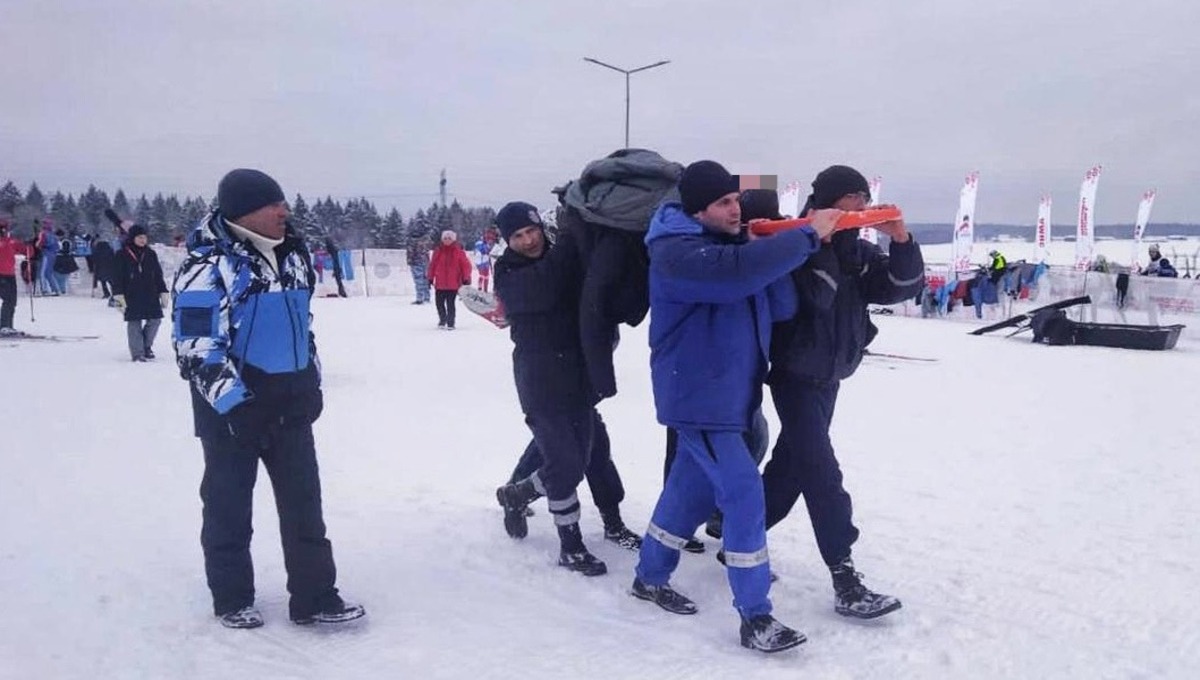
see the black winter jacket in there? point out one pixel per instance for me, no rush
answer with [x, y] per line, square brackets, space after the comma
[541, 301]
[138, 276]
[825, 341]
[616, 290]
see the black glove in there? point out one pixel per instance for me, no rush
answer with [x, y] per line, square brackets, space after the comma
[251, 425]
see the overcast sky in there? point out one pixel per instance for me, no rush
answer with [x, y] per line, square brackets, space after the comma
[374, 98]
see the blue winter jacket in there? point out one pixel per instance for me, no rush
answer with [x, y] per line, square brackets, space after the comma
[241, 327]
[712, 301]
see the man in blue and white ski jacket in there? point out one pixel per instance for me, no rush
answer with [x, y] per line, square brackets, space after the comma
[243, 342]
[713, 297]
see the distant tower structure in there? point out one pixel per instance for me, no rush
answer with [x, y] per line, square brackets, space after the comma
[442, 187]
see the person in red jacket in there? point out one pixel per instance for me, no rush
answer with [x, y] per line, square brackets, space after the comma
[449, 269]
[9, 249]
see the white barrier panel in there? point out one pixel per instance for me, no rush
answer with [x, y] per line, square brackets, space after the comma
[386, 272]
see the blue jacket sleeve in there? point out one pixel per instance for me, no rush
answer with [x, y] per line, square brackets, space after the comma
[692, 269]
[896, 276]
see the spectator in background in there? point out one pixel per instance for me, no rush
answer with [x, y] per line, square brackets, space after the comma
[1159, 265]
[483, 263]
[417, 255]
[139, 291]
[10, 248]
[449, 269]
[102, 266]
[997, 266]
[64, 262]
[47, 245]
[336, 256]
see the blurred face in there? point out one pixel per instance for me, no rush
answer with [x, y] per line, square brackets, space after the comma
[141, 240]
[855, 201]
[529, 241]
[269, 220]
[447, 240]
[723, 215]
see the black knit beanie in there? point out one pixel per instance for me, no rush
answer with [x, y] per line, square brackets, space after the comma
[243, 191]
[702, 183]
[834, 182]
[516, 216]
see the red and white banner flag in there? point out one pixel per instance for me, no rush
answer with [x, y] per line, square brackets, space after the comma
[1041, 237]
[1139, 227]
[1085, 227]
[964, 225]
[869, 234]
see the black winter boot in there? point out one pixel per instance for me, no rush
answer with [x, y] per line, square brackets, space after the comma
[852, 598]
[515, 499]
[765, 634]
[575, 555]
[616, 531]
[664, 596]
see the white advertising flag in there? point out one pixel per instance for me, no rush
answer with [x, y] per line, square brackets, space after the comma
[1139, 228]
[964, 225]
[1041, 237]
[869, 234]
[1085, 227]
[789, 200]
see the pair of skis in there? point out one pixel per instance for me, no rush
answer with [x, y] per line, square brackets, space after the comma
[1021, 321]
[22, 336]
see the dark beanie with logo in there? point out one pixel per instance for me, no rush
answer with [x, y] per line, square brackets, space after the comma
[243, 191]
[516, 216]
[702, 183]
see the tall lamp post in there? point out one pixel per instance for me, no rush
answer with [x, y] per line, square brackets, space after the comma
[627, 72]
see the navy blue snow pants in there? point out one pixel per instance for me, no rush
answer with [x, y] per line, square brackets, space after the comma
[712, 470]
[564, 439]
[803, 463]
[227, 491]
[601, 474]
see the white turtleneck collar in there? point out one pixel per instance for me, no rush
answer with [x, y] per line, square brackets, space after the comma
[261, 243]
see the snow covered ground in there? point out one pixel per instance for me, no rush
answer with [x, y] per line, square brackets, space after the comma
[1034, 507]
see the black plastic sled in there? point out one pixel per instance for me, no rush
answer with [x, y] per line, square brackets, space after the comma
[1052, 327]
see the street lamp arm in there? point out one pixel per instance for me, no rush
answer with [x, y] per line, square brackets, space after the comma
[600, 63]
[644, 68]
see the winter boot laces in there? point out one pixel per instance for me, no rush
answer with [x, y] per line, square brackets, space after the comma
[664, 596]
[853, 599]
[622, 536]
[246, 617]
[765, 634]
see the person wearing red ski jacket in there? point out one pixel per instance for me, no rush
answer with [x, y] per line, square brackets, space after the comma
[449, 269]
[9, 249]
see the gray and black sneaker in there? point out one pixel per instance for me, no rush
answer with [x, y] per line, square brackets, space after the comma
[765, 634]
[246, 617]
[664, 596]
[852, 598]
[694, 546]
